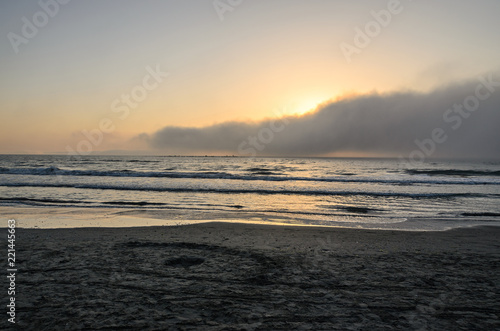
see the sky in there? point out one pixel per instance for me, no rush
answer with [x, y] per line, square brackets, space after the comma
[413, 79]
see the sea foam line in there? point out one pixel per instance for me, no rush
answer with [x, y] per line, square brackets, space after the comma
[408, 180]
[249, 191]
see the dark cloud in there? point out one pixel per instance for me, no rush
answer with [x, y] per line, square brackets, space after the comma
[441, 123]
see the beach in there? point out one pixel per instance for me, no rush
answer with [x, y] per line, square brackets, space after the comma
[236, 276]
[250, 165]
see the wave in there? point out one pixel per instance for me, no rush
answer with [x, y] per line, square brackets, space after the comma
[134, 203]
[482, 214]
[258, 174]
[42, 200]
[262, 171]
[454, 172]
[358, 210]
[30, 171]
[250, 191]
[95, 204]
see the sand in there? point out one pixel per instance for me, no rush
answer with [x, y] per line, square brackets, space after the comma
[224, 276]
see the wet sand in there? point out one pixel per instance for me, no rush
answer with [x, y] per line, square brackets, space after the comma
[229, 276]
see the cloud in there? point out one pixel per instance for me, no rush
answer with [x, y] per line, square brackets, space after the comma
[460, 120]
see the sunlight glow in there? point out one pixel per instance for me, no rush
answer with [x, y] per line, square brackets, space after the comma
[307, 104]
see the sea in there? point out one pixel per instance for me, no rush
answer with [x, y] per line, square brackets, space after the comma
[53, 191]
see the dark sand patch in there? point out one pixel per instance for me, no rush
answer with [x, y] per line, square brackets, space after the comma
[222, 276]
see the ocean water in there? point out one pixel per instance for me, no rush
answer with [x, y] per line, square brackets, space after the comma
[366, 193]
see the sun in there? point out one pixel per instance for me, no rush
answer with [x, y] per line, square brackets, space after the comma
[306, 104]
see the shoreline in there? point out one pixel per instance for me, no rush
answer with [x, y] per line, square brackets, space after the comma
[33, 217]
[225, 276]
[263, 223]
